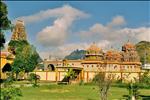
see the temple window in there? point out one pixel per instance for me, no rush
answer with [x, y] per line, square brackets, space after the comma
[87, 65]
[51, 67]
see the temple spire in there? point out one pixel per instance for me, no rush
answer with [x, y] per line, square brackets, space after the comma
[19, 32]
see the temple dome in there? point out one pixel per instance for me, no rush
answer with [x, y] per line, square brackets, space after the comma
[94, 47]
[112, 55]
[94, 53]
[128, 47]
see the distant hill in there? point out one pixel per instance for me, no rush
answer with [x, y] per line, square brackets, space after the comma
[143, 49]
[77, 54]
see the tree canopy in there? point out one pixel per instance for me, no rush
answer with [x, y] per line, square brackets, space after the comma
[26, 59]
[5, 23]
[143, 49]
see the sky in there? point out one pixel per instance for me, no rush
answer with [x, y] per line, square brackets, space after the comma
[56, 28]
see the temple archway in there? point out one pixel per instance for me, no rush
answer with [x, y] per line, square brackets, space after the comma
[6, 68]
[51, 67]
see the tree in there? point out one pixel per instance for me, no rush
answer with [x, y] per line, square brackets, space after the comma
[5, 23]
[70, 74]
[133, 89]
[143, 49]
[145, 80]
[26, 59]
[104, 83]
[15, 44]
[9, 92]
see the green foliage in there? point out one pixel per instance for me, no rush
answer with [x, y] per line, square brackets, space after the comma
[133, 89]
[4, 22]
[145, 80]
[143, 49]
[9, 92]
[15, 45]
[81, 82]
[77, 54]
[2, 39]
[33, 78]
[103, 83]
[26, 59]
[70, 74]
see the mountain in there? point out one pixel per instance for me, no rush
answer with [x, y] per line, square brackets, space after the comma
[77, 54]
[143, 49]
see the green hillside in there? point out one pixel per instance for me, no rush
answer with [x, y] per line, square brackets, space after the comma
[77, 54]
[143, 49]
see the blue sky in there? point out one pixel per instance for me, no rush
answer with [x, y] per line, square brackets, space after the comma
[67, 26]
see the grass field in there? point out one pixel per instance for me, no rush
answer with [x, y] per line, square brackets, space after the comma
[72, 92]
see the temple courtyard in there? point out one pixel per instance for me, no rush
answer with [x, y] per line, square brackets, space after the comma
[50, 91]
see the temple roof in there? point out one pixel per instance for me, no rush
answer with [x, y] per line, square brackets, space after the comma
[113, 54]
[128, 46]
[20, 23]
[93, 47]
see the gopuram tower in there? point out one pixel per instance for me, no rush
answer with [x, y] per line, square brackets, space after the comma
[19, 32]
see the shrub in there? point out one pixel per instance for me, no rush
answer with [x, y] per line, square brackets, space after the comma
[33, 78]
[10, 93]
[81, 82]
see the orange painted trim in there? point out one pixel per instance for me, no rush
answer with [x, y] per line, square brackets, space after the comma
[87, 76]
[46, 75]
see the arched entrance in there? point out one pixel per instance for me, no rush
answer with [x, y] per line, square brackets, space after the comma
[51, 67]
[6, 68]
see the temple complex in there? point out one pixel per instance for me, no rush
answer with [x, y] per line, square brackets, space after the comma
[124, 64]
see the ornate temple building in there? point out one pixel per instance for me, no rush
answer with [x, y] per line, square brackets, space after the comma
[124, 65]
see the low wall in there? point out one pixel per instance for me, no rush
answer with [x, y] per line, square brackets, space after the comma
[87, 75]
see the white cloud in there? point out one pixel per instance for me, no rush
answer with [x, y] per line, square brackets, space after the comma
[115, 34]
[66, 49]
[56, 34]
[56, 12]
[116, 21]
[141, 33]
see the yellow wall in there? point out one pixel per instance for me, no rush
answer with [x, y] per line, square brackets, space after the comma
[4, 61]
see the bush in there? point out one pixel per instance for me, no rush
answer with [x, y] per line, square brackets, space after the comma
[81, 82]
[10, 93]
[33, 78]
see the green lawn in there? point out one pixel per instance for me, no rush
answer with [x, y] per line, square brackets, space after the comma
[72, 92]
